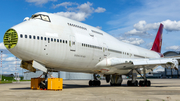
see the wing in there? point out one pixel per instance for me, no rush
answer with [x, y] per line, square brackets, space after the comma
[121, 63]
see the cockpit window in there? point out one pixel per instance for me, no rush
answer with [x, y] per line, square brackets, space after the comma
[40, 16]
[36, 16]
[45, 18]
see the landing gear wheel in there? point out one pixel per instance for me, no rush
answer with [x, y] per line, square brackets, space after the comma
[149, 84]
[111, 84]
[115, 84]
[129, 83]
[145, 83]
[90, 82]
[94, 83]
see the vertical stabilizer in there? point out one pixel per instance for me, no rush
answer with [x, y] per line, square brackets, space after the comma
[158, 40]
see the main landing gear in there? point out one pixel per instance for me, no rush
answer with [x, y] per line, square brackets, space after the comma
[144, 82]
[94, 82]
[134, 82]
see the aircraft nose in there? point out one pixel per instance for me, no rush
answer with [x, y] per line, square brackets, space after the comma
[10, 38]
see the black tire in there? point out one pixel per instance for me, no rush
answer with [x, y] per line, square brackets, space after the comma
[99, 82]
[141, 83]
[90, 82]
[95, 82]
[136, 83]
[129, 83]
[111, 84]
[148, 83]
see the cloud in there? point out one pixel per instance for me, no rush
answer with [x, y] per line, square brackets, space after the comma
[64, 4]
[134, 41]
[39, 2]
[149, 45]
[171, 25]
[79, 16]
[3, 48]
[174, 48]
[10, 59]
[79, 13]
[141, 28]
[151, 12]
[136, 32]
[100, 10]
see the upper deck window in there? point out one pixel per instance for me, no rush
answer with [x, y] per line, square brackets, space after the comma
[40, 16]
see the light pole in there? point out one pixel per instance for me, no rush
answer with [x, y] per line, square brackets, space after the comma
[16, 70]
[1, 65]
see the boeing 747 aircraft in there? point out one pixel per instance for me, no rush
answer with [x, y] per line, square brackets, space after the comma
[49, 42]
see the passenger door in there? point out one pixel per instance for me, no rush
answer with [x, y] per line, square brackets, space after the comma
[105, 50]
[72, 43]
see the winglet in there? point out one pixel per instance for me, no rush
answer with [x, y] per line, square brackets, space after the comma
[158, 40]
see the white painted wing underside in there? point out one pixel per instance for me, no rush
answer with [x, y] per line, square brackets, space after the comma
[121, 63]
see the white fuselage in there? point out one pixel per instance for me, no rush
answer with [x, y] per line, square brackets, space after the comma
[72, 46]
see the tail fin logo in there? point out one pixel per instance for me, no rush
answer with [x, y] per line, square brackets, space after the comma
[158, 40]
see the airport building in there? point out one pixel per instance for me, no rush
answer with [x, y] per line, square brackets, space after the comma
[172, 73]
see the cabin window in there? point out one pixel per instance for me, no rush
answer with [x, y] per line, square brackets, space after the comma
[21, 36]
[66, 41]
[57, 40]
[54, 40]
[25, 36]
[29, 36]
[63, 41]
[60, 40]
[51, 39]
[41, 38]
[45, 38]
[34, 37]
[38, 37]
[48, 40]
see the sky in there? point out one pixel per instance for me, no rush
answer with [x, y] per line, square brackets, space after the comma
[131, 21]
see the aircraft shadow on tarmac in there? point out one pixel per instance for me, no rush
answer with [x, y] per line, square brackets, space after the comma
[70, 86]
